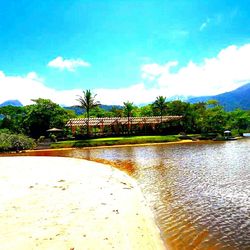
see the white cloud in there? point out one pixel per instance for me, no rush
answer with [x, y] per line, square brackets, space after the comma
[69, 64]
[138, 94]
[224, 72]
[32, 75]
[25, 88]
[154, 70]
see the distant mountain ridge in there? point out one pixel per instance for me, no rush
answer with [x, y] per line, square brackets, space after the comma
[79, 111]
[238, 98]
[12, 103]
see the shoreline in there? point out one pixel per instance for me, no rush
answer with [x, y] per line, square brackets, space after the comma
[122, 145]
[66, 203]
[182, 141]
[187, 141]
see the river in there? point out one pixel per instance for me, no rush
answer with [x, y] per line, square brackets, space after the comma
[199, 192]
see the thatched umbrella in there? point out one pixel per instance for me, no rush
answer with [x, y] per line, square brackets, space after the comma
[54, 130]
[54, 133]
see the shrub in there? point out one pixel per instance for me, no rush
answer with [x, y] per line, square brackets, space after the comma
[15, 142]
[53, 138]
[41, 138]
[5, 131]
[5, 143]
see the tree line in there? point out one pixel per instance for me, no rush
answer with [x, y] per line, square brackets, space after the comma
[203, 118]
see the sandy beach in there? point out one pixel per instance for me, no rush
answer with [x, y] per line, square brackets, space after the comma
[64, 203]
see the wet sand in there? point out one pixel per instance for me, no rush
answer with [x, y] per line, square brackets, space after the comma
[63, 203]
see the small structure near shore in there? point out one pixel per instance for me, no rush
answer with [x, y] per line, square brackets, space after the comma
[54, 133]
[228, 135]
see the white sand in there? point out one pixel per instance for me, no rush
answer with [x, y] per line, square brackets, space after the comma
[63, 203]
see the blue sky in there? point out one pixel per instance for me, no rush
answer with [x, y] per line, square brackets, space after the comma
[122, 50]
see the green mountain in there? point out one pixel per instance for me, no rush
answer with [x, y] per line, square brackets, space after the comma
[238, 98]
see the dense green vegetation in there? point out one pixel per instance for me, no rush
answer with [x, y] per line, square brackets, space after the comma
[18, 124]
[33, 120]
[14, 142]
[207, 119]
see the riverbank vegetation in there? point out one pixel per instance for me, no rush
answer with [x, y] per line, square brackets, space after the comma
[209, 120]
[14, 142]
[109, 141]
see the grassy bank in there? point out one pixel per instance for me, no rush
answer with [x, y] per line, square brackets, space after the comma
[109, 141]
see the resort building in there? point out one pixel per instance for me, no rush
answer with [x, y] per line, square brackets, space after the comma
[118, 125]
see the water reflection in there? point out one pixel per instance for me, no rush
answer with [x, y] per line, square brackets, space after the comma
[200, 193]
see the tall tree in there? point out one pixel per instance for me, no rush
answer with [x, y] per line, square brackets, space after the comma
[239, 120]
[146, 110]
[87, 102]
[11, 117]
[212, 103]
[127, 109]
[116, 112]
[42, 115]
[214, 120]
[160, 105]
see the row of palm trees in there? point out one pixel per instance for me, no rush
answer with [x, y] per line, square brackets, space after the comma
[87, 102]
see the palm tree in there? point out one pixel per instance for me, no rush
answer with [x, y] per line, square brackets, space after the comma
[87, 102]
[160, 105]
[128, 108]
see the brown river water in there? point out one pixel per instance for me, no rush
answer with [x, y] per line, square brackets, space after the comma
[199, 192]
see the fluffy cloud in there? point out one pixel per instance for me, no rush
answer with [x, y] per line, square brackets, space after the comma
[137, 93]
[154, 70]
[68, 64]
[25, 88]
[225, 72]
